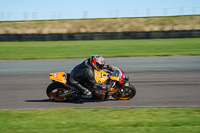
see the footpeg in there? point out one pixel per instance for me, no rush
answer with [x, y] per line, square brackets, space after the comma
[67, 93]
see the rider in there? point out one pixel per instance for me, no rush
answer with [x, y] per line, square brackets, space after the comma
[84, 73]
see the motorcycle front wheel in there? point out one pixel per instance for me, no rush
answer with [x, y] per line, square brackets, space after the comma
[125, 93]
[54, 92]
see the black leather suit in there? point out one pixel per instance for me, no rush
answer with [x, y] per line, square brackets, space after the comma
[81, 74]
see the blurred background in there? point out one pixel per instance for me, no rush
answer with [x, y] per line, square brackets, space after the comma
[89, 16]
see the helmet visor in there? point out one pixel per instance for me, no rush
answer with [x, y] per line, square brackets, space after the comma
[100, 65]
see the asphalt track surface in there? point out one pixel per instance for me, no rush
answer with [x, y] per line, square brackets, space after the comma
[159, 81]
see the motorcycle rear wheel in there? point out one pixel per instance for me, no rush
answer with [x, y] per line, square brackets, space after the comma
[54, 90]
[127, 93]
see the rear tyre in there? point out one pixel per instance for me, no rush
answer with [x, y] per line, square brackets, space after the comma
[126, 93]
[54, 90]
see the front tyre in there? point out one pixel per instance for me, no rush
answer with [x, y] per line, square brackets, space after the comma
[125, 93]
[54, 90]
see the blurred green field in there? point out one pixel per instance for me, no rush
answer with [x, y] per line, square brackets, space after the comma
[110, 120]
[106, 48]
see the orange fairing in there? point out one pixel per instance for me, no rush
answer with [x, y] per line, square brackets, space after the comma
[100, 76]
[114, 78]
[114, 67]
[59, 77]
[113, 90]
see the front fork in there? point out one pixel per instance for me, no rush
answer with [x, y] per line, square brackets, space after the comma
[121, 89]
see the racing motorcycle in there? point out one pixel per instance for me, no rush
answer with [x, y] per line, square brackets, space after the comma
[119, 87]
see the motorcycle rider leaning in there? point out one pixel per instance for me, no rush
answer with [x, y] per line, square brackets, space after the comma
[84, 73]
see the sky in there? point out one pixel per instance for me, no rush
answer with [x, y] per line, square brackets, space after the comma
[69, 9]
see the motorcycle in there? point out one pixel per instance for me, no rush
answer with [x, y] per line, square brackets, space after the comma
[119, 87]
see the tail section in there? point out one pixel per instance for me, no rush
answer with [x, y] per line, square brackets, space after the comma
[59, 77]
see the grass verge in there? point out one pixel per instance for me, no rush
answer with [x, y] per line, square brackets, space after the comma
[115, 120]
[106, 48]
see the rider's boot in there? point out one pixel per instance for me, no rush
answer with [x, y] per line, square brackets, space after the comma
[87, 94]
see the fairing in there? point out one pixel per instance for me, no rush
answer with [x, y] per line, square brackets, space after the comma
[59, 77]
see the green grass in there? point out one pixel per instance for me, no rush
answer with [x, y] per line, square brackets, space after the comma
[110, 120]
[106, 48]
